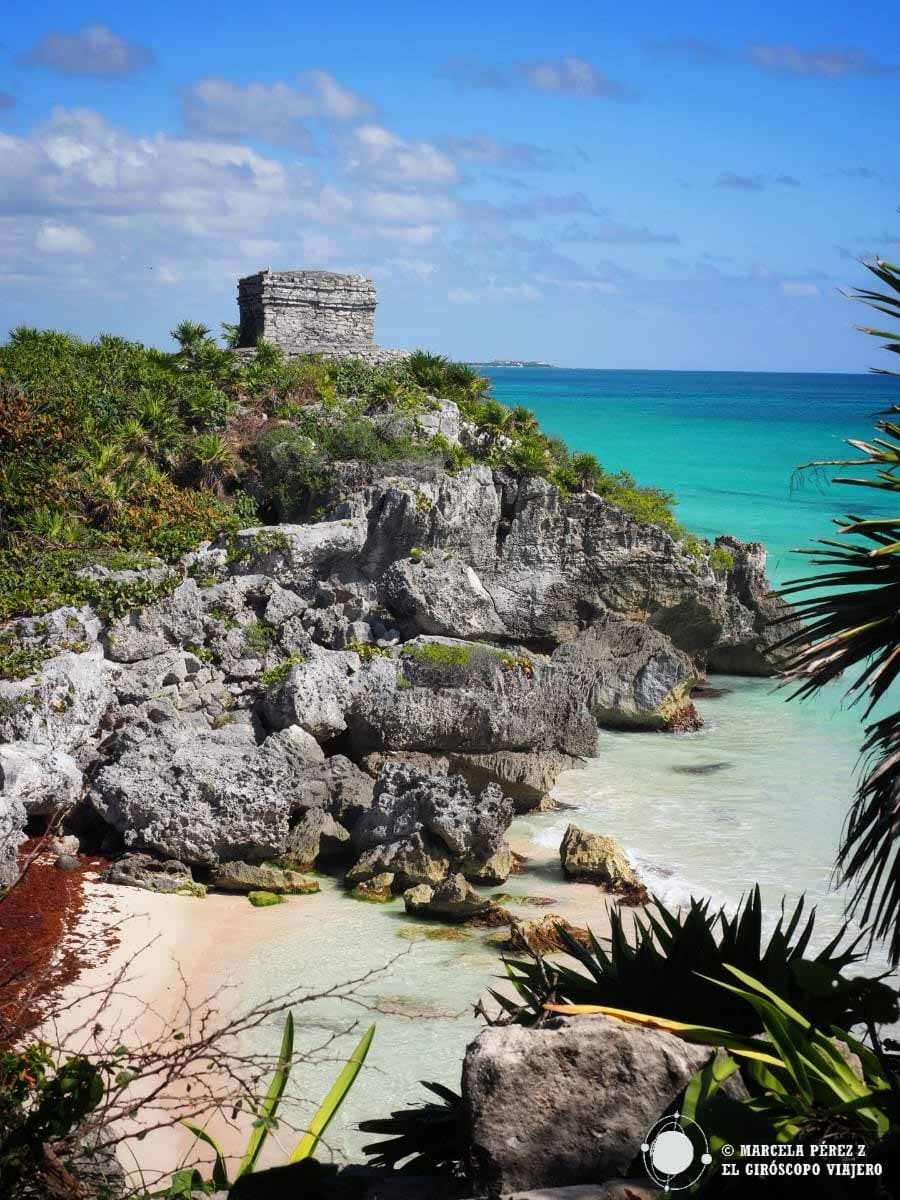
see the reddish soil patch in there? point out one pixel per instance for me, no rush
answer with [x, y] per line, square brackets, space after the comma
[40, 948]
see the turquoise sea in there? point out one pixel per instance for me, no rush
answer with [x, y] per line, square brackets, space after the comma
[758, 794]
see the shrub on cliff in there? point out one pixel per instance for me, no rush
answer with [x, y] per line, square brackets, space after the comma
[111, 445]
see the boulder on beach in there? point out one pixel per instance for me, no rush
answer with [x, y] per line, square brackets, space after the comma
[453, 899]
[592, 858]
[169, 876]
[247, 877]
[604, 1082]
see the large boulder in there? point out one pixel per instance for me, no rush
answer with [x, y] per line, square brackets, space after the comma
[176, 620]
[47, 781]
[293, 555]
[435, 818]
[315, 836]
[630, 675]
[12, 834]
[204, 797]
[248, 877]
[314, 694]
[61, 705]
[452, 899]
[568, 1103]
[526, 776]
[169, 877]
[592, 858]
[409, 860]
[497, 714]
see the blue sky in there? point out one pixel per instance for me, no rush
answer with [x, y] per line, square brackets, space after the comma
[655, 186]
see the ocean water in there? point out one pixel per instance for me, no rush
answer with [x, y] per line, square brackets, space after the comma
[758, 794]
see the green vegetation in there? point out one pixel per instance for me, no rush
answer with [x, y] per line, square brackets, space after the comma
[800, 1084]
[118, 453]
[367, 651]
[264, 899]
[428, 1139]
[280, 671]
[267, 1113]
[447, 663]
[850, 631]
[668, 963]
[437, 654]
[42, 1101]
[259, 637]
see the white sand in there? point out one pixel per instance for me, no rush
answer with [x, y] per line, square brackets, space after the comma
[174, 954]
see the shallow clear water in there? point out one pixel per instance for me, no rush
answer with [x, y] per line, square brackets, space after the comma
[758, 794]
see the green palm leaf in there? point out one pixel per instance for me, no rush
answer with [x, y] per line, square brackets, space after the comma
[335, 1098]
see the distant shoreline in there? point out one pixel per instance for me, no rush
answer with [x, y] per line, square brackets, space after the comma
[512, 362]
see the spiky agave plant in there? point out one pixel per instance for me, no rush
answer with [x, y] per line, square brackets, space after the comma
[851, 613]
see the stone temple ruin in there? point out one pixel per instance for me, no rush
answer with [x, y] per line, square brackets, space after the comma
[307, 312]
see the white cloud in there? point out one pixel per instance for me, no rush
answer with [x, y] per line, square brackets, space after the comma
[94, 50]
[462, 296]
[798, 288]
[273, 112]
[52, 238]
[517, 291]
[570, 76]
[407, 208]
[483, 150]
[381, 155]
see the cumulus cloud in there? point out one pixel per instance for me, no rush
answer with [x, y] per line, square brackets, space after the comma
[94, 50]
[566, 76]
[379, 154]
[53, 238]
[273, 112]
[829, 62]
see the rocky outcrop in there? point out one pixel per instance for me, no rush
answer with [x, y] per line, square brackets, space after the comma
[314, 695]
[422, 828]
[510, 559]
[453, 899]
[568, 1103]
[204, 797]
[492, 715]
[12, 834]
[747, 646]
[246, 877]
[46, 781]
[591, 858]
[61, 706]
[152, 875]
[630, 674]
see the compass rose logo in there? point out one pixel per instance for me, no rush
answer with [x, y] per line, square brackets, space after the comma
[676, 1152]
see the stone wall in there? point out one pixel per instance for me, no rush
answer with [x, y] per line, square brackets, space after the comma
[311, 312]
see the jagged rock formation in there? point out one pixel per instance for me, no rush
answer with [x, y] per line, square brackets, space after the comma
[311, 312]
[473, 624]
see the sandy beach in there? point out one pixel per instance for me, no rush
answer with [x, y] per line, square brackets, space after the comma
[166, 974]
[174, 965]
